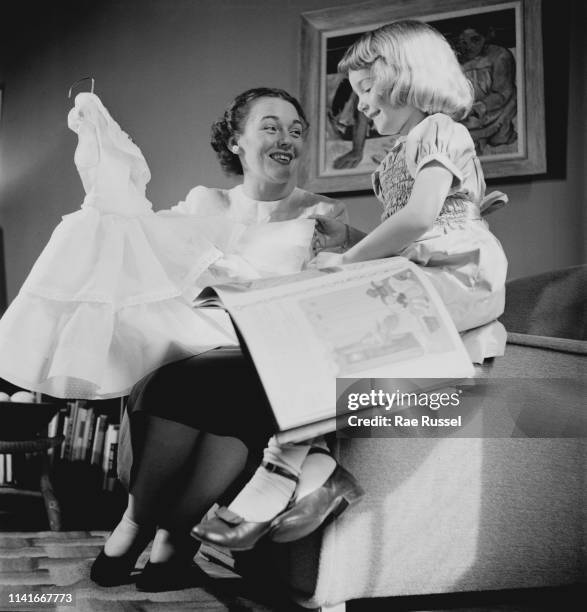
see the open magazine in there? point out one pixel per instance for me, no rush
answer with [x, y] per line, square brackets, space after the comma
[376, 319]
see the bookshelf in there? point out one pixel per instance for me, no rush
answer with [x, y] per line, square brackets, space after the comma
[81, 465]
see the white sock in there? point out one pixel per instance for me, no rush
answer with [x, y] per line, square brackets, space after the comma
[268, 493]
[123, 538]
[163, 548]
[166, 547]
[316, 470]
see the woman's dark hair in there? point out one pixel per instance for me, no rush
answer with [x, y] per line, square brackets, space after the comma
[233, 121]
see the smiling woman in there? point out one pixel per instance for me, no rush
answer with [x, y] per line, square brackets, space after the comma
[191, 424]
[124, 312]
[261, 136]
[269, 148]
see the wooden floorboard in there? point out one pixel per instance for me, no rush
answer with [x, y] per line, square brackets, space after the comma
[36, 563]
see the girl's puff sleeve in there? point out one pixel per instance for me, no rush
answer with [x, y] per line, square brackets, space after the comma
[87, 153]
[439, 138]
[74, 119]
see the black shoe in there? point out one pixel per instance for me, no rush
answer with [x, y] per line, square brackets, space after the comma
[113, 571]
[170, 575]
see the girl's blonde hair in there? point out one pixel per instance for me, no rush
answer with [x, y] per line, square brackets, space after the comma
[414, 64]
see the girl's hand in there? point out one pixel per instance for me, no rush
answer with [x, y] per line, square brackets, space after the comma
[326, 260]
[329, 233]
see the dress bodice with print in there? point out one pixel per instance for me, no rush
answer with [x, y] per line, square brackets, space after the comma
[459, 253]
[432, 140]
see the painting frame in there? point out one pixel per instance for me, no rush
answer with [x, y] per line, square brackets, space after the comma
[319, 27]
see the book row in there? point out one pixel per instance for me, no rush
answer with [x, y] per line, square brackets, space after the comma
[89, 436]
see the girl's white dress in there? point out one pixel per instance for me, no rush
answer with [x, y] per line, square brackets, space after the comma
[108, 299]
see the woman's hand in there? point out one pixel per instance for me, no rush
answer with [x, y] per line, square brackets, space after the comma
[329, 233]
[326, 260]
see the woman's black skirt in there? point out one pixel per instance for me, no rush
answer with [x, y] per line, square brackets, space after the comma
[217, 392]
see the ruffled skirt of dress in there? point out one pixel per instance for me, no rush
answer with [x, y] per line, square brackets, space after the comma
[466, 264]
[106, 303]
[109, 299]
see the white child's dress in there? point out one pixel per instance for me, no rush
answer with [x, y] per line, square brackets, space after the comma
[108, 300]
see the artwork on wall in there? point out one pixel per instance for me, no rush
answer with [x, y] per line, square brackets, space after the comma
[499, 46]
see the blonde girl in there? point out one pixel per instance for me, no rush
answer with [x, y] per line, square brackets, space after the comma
[409, 82]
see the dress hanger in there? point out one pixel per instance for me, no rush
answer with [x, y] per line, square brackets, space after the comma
[79, 81]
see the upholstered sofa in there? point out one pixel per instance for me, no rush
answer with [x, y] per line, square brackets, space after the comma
[458, 514]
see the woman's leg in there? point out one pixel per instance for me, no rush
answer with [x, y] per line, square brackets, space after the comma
[216, 462]
[166, 449]
[217, 392]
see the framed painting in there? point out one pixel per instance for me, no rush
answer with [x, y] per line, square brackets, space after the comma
[499, 46]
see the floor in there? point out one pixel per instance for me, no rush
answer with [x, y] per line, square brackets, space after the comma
[34, 563]
[37, 562]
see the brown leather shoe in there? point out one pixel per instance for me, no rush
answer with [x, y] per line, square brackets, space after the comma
[339, 492]
[231, 530]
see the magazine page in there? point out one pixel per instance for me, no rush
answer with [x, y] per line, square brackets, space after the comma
[232, 292]
[379, 319]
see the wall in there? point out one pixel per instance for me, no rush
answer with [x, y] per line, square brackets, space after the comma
[166, 68]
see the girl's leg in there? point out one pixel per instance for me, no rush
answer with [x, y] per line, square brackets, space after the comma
[216, 462]
[268, 493]
[250, 516]
[316, 469]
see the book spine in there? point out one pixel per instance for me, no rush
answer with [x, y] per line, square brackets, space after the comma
[88, 433]
[8, 469]
[68, 443]
[78, 434]
[63, 414]
[65, 432]
[110, 451]
[52, 432]
[107, 438]
[98, 444]
[53, 426]
[2, 470]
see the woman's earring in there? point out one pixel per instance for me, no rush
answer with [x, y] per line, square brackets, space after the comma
[234, 149]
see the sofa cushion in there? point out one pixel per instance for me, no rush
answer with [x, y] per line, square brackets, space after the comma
[551, 304]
